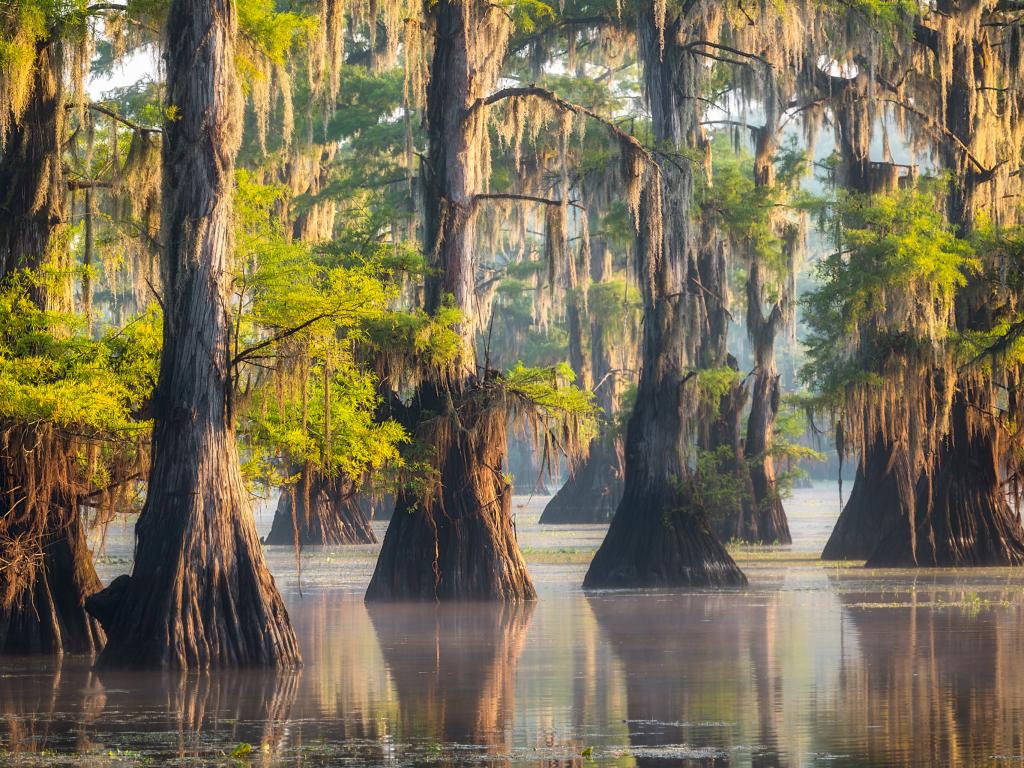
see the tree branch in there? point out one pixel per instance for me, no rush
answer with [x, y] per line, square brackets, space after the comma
[95, 107]
[524, 198]
[693, 46]
[279, 336]
[552, 98]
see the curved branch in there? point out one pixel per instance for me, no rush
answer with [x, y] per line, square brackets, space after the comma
[534, 91]
[696, 44]
[103, 110]
[523, 198]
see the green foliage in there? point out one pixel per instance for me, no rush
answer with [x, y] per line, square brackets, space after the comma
[617, 304]
[787, 451]
[887, 289]
[551, 389]
[304, 314]
[746, 210]
[416, 341]
[548, 401]
[716, 485]
[713, 383]
[528, 13]
[273, 32]
[50, 371]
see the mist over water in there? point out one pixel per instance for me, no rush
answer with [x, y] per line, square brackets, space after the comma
[812, 665]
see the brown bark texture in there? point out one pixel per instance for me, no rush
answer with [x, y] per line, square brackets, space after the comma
[660, 536]
[456, 539]
[200, 594]
[327, 513]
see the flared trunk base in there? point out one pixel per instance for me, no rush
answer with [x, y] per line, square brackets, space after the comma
[656, 541]
[460, 542]
[49, 615]
[591, 494]
[876, 504]
[201, 594]
[336, 518]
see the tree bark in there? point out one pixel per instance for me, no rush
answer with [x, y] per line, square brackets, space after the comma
[332, 517]
[457, 540]
[593, 492]
[200, 594]
[660, 535]
[33, 196]
[882, 488]
[46, 569]
[459, 544]
[43, 593]
[960, 515]
[772, 525]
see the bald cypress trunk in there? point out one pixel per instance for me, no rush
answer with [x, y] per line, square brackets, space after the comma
[884, 487]
[456, 540]
[46, 569]
[772, 527]
[327, 513]
[961, 515]
[720, 429]
[882, 496]
[200, 594]
[460, 542]
[660, 535]
[592, 492]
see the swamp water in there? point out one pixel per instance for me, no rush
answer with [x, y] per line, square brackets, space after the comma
[812, 665]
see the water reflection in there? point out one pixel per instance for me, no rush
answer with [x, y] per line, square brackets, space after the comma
[811, 666]
[454, 668]
[938, 685]
[69, 708]
[701, 677]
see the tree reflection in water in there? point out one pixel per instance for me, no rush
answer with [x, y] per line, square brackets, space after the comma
[70, 708]
[453, 667]
[702, 682]
[852, 669]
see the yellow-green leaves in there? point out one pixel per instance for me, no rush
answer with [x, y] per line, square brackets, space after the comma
[51, 372]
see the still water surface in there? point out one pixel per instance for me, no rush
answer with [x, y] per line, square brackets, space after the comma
[812, 665]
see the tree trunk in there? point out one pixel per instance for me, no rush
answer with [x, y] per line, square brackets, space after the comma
[200, 594]
[47, 572]
[456, 539]
[772, 525]
[593, 492]
[960, 515]
[32, 190]
[459, 544]
[46, 568]
[878, 501]
[733, 517]
[659, 535]
[332, 517]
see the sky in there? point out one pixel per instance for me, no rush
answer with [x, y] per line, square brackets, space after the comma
[138, 65]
